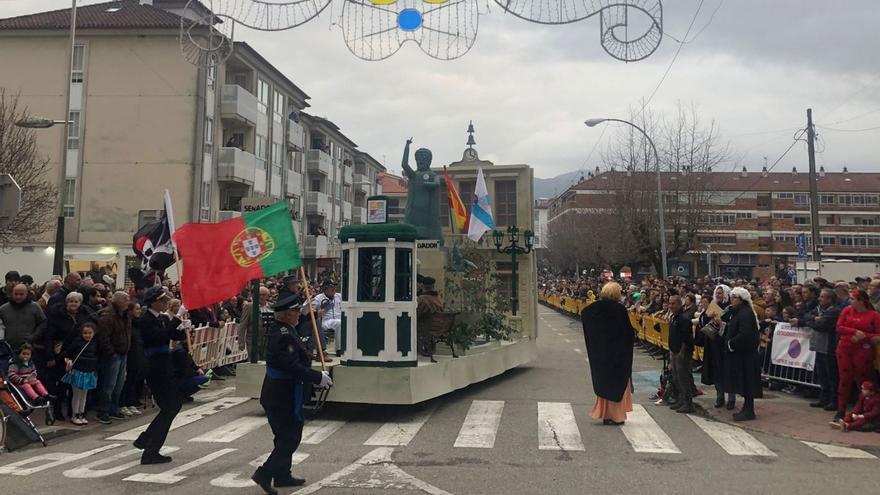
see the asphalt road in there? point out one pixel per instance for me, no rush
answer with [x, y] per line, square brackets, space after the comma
[526, 432]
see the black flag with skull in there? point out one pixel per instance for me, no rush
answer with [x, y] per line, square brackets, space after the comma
[152, 246]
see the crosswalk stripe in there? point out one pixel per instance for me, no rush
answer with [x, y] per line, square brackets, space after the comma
[734, 441]
[188, 416]
[838, 452]
[480, 425]
[399, 434]
[645, 435]
[557, 427]
[89, 471]
[55, 459]
[174, 475]
[231, 431]
[239, 480]
[317, 431]
[209, 395]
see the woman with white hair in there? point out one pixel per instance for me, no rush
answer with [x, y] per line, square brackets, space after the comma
[742, 367]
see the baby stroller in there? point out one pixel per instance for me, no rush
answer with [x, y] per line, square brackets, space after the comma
[17, 428]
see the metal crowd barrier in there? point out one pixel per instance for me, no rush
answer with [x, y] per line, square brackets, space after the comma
[212, 347]
[787, 374]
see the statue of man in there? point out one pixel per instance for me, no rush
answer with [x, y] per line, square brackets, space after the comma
[423, 201]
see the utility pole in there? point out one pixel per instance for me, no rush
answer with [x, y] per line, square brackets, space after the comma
[814, 186]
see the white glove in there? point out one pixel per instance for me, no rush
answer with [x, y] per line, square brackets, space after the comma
[326, 382]
[185, 325]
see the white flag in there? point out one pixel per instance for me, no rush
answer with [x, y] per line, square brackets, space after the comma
[481, 211]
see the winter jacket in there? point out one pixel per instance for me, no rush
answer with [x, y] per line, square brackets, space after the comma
[22, 373]
[114, 332]
[87, 352]
[681, 334]
[21, 322]
[823, 322]
[869, 406]
[851, 321]
[62, 328]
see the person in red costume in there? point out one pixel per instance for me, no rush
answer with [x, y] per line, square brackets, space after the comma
[865, 415]
[859, 329]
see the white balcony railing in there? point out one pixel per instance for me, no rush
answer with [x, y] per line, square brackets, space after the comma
[318, 203]
[359, 214]
[315, 246]
[296, 134]
[320, 162]
[238, 104]
[235, 165]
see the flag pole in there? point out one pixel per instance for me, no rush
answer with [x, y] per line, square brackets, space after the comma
[169, 215]
[305, 281]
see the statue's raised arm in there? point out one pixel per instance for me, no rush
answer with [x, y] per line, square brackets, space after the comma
[407, 170]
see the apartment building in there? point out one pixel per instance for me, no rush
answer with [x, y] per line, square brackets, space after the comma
[752, 220]
[143, 119]
[394, 188]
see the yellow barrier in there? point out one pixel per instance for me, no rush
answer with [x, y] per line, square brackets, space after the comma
[643, 324]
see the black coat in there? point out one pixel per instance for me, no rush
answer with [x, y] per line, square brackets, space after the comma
[713, 350]
[156, 332]
[742, 366]
[286, 353]
[609, 336]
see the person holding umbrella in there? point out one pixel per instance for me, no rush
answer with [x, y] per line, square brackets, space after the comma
[609, 336]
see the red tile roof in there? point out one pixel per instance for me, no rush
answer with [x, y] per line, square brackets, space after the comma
[392, 184]
[754, 181]
[130, 15]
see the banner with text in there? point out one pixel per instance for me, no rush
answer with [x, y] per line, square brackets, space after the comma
[791, 347]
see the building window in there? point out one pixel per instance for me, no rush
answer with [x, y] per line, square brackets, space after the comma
[858, 199]
[745, 215]
[801, 220]
[263, 95]
[719, 219]
[294, 203]
[69, 206]
[801, 199]
[148, 216]
[205, 202]
[717, 239]
[315, 185]
[505, 203]
[403, 274]
[784, 237]
[781, 216]
[784, 195]
[827, 240]
[466, 193]
[73, 130]
[76, 69]
[209, 134]
[371, 274]
[276, 158]
[826, 199]
[279, 105]
[212, 77]
[262, 152]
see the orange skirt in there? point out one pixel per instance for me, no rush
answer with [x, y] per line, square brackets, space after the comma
[615, 411]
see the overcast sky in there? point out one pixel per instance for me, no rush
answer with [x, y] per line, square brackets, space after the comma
[754, 68]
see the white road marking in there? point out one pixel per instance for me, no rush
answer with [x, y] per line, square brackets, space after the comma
[173, 475]
[557, 427]
[317, 431]
[234, 480]
[399, 434]
[480, 425]
[209, 395]
[838, 452]
[55, 459]
[382, 475]
[734, 441]
[567, 341]
[645, 435]
[89, 471]
[578, 350]
[231, 431]
[188, 416]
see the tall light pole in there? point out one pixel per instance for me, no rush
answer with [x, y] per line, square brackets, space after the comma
[42, 123]
[594, 123]
[513, 249]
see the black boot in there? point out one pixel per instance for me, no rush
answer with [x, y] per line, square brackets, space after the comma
[264, 481]
[719, 402]
[154, 458]
[686, 407]
[288, 480]
[744, 415]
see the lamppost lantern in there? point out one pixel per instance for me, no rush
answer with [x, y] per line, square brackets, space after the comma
[530, 240]
[498, 236]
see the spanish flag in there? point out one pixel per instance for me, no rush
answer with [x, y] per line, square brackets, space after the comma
[459, 213]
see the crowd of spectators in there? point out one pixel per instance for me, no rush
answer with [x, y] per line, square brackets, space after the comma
[843, 316]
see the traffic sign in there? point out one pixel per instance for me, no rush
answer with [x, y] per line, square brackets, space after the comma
[802, 245]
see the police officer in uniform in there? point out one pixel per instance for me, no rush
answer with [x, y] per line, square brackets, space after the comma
[288, 369]
[157, 331]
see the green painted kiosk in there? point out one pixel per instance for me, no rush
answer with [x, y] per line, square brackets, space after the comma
[378, 287]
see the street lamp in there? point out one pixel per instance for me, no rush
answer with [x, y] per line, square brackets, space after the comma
[40, 123]
[513, 249]
[594, 123]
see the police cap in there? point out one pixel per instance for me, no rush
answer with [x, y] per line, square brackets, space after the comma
[154, 294]
[288, 301]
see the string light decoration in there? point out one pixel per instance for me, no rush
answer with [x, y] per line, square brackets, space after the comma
[376, 29]
[616, 17]
[630, 30]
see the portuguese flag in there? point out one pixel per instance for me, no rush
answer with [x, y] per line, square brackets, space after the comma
[219, 259]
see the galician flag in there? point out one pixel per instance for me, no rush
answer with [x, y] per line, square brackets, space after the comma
[219, 259]
[481, 211]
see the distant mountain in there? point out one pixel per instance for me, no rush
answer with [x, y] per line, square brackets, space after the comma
[550, 188]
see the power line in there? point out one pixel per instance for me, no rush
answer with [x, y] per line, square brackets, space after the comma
[674, 58]
[711, 18]
[848, 130]
[794, 141]
[869, 112]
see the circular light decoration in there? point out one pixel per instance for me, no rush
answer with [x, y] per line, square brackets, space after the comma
[409, 19]
[631, 30]
[206, 39]
[443, 29]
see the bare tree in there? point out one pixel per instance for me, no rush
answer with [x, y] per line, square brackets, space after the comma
[686, 148]
[20, 159]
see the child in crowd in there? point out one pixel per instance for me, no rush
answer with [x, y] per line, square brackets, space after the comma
[23, 374]
[865, 416]
[81, 361]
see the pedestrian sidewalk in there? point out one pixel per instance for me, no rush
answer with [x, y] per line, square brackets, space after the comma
[792, 416]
